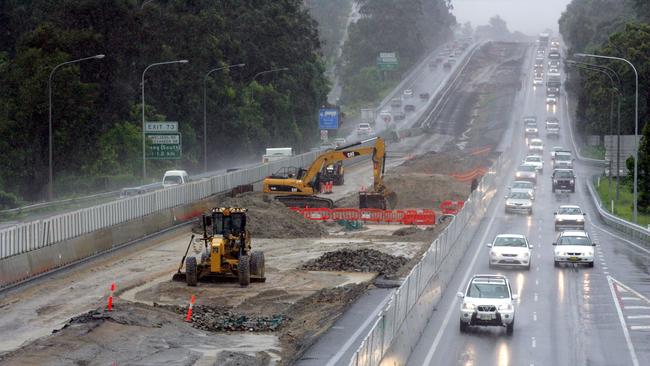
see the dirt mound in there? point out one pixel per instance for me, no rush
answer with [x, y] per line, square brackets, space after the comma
[441, 163]
[230, 358]
[361, 260]
[268, 218]
[223, 319]
[406, 231]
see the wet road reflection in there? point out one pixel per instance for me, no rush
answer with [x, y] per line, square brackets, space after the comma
[503, 355]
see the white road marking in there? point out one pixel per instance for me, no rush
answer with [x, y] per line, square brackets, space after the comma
[536, 282]
[630, 298]
[638, 316]
[630, 346]
[534, 316]
[337, 356]
[640, 327]
[636, 307]
[605, 268]
[536, 297]
[533, 342]
[620, 238]
[606, 272]
[453, 306]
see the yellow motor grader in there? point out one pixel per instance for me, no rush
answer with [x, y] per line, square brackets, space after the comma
[224, 251]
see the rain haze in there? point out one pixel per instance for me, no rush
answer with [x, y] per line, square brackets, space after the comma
[527, 16]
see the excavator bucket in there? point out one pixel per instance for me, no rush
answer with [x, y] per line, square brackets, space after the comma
[382, 201]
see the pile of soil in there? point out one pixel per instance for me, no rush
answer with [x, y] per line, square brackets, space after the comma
[360, 260]
[224, 319]
[312, 316]
[267, 218]
[230, 358]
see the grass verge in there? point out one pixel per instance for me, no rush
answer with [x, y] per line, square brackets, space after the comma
[622, 208]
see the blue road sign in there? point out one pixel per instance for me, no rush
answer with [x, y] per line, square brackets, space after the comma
[328, 119]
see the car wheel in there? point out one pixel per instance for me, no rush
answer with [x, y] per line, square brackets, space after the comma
[556, 263]
[530, 212]
[528, 267]
[510, 328]
[590, 264]
[463, 326]
[556, 228]
[553, 190]
[573, 190]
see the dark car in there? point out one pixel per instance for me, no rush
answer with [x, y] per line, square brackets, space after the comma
[399, 116]
[425, 95]
[409, 108]
[564, 180]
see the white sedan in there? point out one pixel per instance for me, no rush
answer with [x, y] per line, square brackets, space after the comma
[535, 160]
[536, 146]
[510, 250]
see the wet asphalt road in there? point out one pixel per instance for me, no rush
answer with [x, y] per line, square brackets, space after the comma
[572, 315]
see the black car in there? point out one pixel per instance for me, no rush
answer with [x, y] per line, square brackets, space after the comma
[409, 108]
[564, 179]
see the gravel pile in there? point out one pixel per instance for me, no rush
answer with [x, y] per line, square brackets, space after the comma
[223, 319]
[360, 260]
[268, 218]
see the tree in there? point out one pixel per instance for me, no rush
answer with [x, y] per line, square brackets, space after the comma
[643, 170]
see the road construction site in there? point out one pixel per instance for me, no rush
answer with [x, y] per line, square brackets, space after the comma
[314, 270]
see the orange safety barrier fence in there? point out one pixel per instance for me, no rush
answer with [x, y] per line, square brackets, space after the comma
[451, 207]
[373, 215]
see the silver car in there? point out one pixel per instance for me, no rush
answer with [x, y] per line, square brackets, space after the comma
[526, 172]
[519, 202]
[523, 186]
[569, 217]
[488, 301]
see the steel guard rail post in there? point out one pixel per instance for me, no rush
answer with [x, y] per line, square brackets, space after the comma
[440, 260]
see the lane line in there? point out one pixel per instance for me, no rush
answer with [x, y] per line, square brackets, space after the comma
[624, 288]
[454, 303]
[630, 346]
[630, 298]
[636, 307]
[337, 356]
[533, 342]
[536, 297]
[640, 327]
[535, 316]
[638, 316]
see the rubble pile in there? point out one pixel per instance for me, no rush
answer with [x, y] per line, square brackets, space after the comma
[360, 260]
[224, 319]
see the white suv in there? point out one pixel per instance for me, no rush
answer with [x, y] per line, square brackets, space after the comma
[510, 250]
[488, 300]
[574, 247]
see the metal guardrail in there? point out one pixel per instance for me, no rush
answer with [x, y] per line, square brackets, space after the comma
[443, 254]
[633, 230]
[37, 234]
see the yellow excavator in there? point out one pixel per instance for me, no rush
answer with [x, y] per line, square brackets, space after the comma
[298, 187]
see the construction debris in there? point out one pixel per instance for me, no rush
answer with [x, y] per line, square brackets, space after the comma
[361, 260]
[225, 319]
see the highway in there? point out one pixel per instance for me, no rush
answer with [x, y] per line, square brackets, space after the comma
[571, 315]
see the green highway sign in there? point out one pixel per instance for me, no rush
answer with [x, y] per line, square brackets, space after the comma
[387, 61]
[164, 145]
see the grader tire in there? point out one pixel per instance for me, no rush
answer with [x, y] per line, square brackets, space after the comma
[257, 264]
[244, 270]
[191, 275]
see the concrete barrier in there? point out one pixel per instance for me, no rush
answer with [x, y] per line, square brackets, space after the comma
[22, 267]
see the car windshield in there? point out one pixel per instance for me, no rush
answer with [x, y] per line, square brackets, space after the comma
[574, 240]
[526, 168]
[173, 179]
[484, 290]
[531, 124]
[569, 211]
[534, 159]
[563, 174]
[519, 195]
[522, 185]
[562, 157]
[502, 241]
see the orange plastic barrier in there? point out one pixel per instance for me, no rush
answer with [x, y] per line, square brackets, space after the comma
[319, 214]
[371, 214]
[419, 217]
[451, 207]
[350, 214]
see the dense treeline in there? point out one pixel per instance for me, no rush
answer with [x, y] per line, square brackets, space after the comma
[617, 28]
[96, 104]
[409, 28]
[332, 17]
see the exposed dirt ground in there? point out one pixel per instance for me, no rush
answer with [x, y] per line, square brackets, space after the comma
[293, 307]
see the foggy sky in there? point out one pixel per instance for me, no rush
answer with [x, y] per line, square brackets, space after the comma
[527, 16]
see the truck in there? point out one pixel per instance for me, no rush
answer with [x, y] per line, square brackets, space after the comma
[368, 116]
[276, 153]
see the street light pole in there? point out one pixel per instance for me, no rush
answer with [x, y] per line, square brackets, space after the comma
[144, 159]
[50, 185]
[636, 123]
[608, 72]
[205, 118]
[266, 72]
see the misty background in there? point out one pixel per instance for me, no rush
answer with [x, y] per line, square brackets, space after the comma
[527, 16]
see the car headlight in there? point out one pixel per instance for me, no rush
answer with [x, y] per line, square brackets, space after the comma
[590, 254]
[572, 181]
[518, 174]
[526, 255]
[493, 254]
[580, 219]
[505, 307]
[468, 306]
[555, 181]
[560, 219]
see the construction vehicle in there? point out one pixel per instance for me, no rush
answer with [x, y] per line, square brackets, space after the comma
[334, 173]
[224, 252]
[298, 187]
